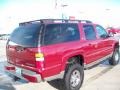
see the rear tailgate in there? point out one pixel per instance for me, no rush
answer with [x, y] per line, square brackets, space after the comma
[23, 44]
[19, 55]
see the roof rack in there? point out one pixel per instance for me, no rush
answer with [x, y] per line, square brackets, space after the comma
[54, 20]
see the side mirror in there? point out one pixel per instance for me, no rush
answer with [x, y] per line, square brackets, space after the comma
[104, 36]
[111, 34]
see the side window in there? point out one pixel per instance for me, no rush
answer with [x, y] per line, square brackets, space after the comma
[89, 32]
[101, 31]
[58, 33]
[70, 32]
[52, 32]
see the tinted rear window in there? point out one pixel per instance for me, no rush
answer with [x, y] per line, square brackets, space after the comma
[27, 35]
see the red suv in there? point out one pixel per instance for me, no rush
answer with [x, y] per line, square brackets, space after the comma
[48, 49]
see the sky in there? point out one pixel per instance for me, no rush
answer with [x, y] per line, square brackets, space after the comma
[104, 12]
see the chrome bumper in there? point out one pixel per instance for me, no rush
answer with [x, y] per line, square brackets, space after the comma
[25, 74]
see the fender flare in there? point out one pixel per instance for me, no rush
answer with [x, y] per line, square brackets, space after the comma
[67, 56]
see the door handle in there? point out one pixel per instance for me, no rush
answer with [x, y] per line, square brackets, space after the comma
[90, 44]
[94, 45]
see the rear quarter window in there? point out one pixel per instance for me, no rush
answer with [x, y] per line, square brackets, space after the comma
[58, 33]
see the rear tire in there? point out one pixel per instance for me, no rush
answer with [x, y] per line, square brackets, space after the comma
[15, 78]
[74, 76]
[115, 58]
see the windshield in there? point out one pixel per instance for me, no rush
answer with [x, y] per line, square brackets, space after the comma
[26, 35]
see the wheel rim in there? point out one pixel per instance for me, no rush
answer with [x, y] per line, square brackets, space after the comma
[116, 56]
[75, 78]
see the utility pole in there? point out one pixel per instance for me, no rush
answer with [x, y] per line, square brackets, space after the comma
[60, 5]
[63, 6]
[55, 4]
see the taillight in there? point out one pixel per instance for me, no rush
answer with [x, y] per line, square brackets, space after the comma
[9, 68]
[39, 57]
[39, 60]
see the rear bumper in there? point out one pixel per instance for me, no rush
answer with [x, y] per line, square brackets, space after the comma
[23, 73]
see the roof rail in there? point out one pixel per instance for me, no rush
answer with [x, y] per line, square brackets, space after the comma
[54, 20]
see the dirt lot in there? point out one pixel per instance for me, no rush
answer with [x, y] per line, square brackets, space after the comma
[102, 77]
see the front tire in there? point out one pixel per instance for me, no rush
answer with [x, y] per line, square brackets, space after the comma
[115, 58]
[74, 77]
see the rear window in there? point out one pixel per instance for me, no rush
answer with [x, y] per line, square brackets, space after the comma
[26, 35]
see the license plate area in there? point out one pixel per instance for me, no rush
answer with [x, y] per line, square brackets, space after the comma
[18, 71]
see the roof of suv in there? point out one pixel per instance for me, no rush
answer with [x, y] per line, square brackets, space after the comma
[44, 21]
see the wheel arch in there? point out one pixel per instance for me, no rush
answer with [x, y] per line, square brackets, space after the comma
[116, 45]
[79, 58]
